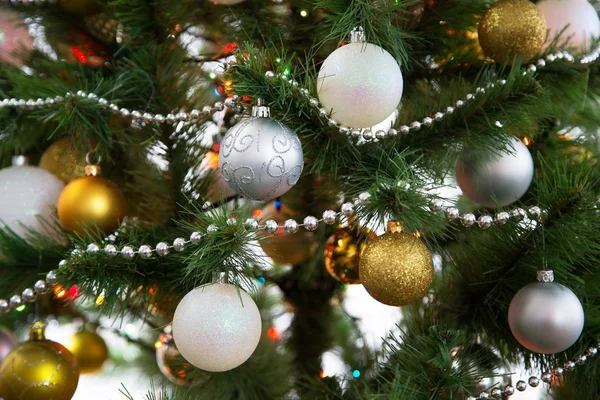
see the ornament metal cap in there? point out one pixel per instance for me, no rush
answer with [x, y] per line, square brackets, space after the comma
[357, 35]
[261, 110]
[92, 169]
[394, 227]
[545, 276]
[37, 331]
[19, 161]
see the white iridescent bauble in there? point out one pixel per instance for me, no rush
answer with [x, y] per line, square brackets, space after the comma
[577, 18]
[495, 178]
[546, 317]
[28, 197]
[217, 327]
[261, 158]
[16, 44]
[362, 84]
[8, 341]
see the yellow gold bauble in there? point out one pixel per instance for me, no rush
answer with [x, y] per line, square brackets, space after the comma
[286, 248]
[396, 268]
[64, 160]
[91, 201]
[39, 369]
[90, 351]
[512, 28]
[343, 251]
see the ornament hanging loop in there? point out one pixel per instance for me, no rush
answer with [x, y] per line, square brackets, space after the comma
[261, 110]
[545, 276]
[357, 35]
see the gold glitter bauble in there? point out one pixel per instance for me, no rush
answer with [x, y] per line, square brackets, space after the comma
[510, 28]
[90, 351]
[39, 369]
[343, 251]
[64, 160]
[286, 248]
[396, 268]
[91, 201]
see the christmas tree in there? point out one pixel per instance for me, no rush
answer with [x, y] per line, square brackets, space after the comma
[179, 177]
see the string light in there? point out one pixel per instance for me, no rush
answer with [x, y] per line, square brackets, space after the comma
[356, 374]
[304, 13]
[273, 333]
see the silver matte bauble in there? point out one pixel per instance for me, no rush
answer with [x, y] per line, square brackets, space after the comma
[495, 178]
[217, 327]
[360, 83]
[261, 158]
[546, 318]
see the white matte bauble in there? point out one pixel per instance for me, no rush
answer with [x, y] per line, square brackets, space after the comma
[577, 18]
[28, 197]
[362, 84]
[495, 177]
[216, 327]
[546, 317]
[261, 158]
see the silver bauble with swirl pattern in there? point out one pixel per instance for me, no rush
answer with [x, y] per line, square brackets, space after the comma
[495, 178]
[546, 317]
[261, 158]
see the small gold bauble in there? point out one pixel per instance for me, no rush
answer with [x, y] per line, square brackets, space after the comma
[286, 248]
[512, 28]
[64, 160]
[396, 268]
[39, 369]
[90, 350]
[91, 201]
[343, 251]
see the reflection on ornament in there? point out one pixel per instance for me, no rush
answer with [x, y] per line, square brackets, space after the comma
[286, 248]
[64, 160]
[91, 201]
[576, 20]
[28, 196]
[81, 7]
[512, 28]
[7, 343]
[495, 178]
[546, 317]
[360, 83]
[90, 350]
[217, 327]
[39, 369]
[343, 251]
[16, 44]
[173, 366]
[396, 268]
[261, 158]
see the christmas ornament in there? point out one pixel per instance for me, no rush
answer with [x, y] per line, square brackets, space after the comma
[81, 7]
[396, 268]
[287, 247]
[342, 253]
[512, 28]
[217, 327]
[545, 317]
[576, 20]
[261, 158]
[7, 343]
[104, 27]
[64, 160]
[16, 44]
[39, 369]
[28, 196]
[90, 350]
[491, 178]
[91, 201]
[360, 83]
[173, 366]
